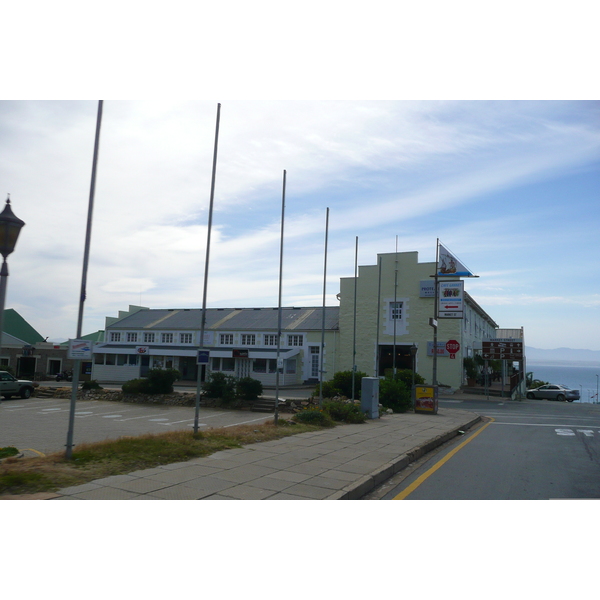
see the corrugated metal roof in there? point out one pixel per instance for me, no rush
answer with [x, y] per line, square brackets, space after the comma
[231, 319]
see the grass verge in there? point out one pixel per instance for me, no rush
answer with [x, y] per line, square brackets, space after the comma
[127, 454]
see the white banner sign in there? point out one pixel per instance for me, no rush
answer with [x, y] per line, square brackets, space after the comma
[80, 349]
[451, 299]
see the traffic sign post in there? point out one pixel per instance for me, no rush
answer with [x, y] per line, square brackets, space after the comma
[452, 347]
[502, 349]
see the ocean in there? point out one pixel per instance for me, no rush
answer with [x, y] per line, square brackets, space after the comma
[576, 377]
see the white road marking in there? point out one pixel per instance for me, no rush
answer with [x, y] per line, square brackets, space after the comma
[564, 431]
[77, 414]
[244, 422]
[542, 424]
[49, 409]
[142, 417]
[151, 419]
[586, 432]
[111, 416]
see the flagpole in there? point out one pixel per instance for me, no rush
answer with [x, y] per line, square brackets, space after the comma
[279, 316]
[354, 334]
[82, 294]
[323, 316]
[204, 294]
[435, 313]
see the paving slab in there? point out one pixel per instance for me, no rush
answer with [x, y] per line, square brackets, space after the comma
[345, 462]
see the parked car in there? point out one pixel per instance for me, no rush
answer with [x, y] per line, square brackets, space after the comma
[11, 386]
[553, 391]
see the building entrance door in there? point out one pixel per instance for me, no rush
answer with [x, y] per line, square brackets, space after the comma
[242, 367]
[386, 359]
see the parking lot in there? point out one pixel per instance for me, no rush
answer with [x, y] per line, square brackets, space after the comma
[40, 425]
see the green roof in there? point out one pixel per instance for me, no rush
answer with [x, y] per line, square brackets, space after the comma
[14, 324]
[97, 336]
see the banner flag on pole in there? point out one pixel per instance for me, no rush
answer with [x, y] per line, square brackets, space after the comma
[450, 266]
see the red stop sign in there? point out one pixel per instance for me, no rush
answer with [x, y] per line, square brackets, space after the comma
[452, 346]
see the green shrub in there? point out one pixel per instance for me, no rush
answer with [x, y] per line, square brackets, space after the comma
[158, 381]
[329, 390]
[341, 385]
[248, 388]
[346, 412]
[314, 416]
[406, 377]
[395, 394]
[135, 386]
[91, 385]
[219, 385]
[8, 451]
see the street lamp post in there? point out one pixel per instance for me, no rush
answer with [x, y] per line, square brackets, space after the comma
[10, 227]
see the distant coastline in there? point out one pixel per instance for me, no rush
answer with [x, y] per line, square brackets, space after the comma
[562, 363]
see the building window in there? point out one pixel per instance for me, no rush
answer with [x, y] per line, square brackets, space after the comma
[167, 338]
[270, 340]
[121, 359]
[115, 336]
[290, 366]
[110, 360]
[185, 338]
[131, 337]
[227, 364]
[295, 340]
[98, 359]
[396, 310]
[227, 339]
[248, 339]
[132, 360]
[216, 363]
[148, 338]
[259, 365]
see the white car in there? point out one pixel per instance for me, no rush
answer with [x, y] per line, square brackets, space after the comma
[553, 391]
[11, 386]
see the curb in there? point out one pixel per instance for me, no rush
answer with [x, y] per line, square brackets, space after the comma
[366, 484]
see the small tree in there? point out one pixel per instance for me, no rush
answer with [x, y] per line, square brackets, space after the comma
[395, 394]
[219, 385]
[248, 388]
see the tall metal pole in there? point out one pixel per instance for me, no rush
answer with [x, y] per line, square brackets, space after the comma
[435, 313]
[395, 310]
[210, 214]
[378, 318]
[83, 292]
[354, 334]
[279, 315]
[321, 354]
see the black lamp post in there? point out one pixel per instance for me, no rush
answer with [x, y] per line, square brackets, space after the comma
[10, 227]
[413, 354]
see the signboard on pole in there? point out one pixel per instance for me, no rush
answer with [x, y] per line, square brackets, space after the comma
[502, 349]
[203, 356]
[451, 299]
[80, 350]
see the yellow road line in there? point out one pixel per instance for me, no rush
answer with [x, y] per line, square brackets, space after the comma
[36, 451]
[417, 482]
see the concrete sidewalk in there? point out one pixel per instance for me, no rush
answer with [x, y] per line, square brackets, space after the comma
[343, 463]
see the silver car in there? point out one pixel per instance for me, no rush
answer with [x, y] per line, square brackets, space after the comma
[553, 391]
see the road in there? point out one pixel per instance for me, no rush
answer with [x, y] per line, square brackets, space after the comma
[39, 425]
[522, 450]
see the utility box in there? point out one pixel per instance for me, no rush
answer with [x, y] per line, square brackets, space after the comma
[369, 400]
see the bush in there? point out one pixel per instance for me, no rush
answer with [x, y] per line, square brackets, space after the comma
[158, 381]
[346, 412]
[341, 385]
[395, 394]
[91, 385]
[248, 388]
[314, 416]
[406, 377]
[219, 385]
[8, 451]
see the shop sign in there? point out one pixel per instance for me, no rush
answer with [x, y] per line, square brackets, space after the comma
[451, 299]
[80, 349]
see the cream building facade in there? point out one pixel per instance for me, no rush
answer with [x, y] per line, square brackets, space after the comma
[394, 305]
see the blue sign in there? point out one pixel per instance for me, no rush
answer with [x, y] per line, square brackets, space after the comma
[203, 356]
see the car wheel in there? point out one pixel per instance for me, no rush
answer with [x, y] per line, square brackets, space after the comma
[560, 398]
[569, 399]
[26, 393]
[530, 396]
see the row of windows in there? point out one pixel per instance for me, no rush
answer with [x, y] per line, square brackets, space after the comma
[259, 365]
[149, 337]
[251, 339]
[225, 339]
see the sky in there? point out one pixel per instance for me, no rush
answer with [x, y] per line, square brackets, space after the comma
[511, 187]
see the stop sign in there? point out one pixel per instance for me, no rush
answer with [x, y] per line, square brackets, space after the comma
[452, 346]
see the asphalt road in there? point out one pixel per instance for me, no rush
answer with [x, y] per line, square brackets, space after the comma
[523, 450]
[40, 425]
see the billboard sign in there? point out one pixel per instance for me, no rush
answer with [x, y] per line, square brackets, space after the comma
[502, 349]
[80, 349]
